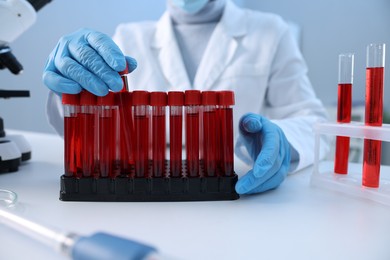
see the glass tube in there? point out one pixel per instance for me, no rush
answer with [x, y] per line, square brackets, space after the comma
[192, 102]
[373, 112]
[107, 135]
[344, 107]
[158, 102]
[88, 136]
[71, 135]
[125, 132]
[226, 102]
[175, 103]
[141, 130]
[209, 103]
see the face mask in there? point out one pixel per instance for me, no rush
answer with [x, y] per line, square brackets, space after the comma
[190, 6]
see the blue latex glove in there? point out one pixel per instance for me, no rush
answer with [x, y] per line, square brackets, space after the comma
[101, 246]
[270, 151]
[86, 59]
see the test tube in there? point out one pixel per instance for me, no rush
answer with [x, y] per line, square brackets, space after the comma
[107, 111]
[141, 133]
[126, 132]
[373, 112]
[88, 135]
[192, 101]
[209, 103]
[175, 103]
[71, 138]
[226, 102]
[123, 75]
[344, 107]
[158, 103]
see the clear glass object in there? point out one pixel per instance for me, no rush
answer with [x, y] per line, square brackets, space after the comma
[374, 112]
[344, 107]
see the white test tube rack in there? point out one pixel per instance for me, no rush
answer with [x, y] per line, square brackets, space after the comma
[351, 184]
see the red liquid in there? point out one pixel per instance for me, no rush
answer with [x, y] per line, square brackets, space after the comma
[115, 145]
[371, 163]
[87, 131]
[210, 143]
[344, 107]
[175, 134]
[374, 96]
[227, 146]
[159, 144]
[218, 129]
[72, 145]
[106, 134]
[192, 144]
[126, 132]
[373, 117]
[141, 145]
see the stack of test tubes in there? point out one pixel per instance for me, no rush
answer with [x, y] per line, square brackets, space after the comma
[116, 146]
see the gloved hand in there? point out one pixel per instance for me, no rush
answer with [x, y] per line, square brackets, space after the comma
[86, 59]
[270, 151]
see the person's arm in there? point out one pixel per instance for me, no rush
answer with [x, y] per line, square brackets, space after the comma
[292, 103]
[285, 143]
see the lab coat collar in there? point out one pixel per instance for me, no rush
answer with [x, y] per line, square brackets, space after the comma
[221, 47]
[234, 20]
[219, 51]
[169, 55]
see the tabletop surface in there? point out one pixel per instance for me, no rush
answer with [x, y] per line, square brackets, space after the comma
[295, 221]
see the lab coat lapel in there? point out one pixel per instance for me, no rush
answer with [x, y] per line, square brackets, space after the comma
[169, 55]
[221, 47]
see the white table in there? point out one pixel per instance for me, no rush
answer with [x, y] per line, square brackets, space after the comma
[295, 221]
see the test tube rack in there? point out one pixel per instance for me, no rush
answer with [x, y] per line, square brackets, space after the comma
[81, 183]
[127, 188]
[351, 183]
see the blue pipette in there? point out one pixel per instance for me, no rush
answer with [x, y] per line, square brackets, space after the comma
[97, 246]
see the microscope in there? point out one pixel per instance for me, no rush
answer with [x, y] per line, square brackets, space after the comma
[16, 16]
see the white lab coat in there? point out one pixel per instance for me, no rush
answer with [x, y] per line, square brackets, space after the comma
[252, 53]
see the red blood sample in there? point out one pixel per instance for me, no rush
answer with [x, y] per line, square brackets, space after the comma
[175, 102]
[71, 138]
[158, 102]
[107, 134]
[344, 106]
[141, 133]
[126, 132]
[226, 101]
[88, 133]
[192, 102]
[209, 102]
[373, 117]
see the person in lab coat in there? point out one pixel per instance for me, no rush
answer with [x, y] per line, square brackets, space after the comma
[206, 45]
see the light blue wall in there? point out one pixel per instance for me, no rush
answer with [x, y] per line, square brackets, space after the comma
[331, 27]
[328, 28]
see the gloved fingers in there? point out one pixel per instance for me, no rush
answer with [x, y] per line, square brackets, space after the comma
[71, 69]
[131, 63]
[271, 183]
[59, 84]
[107, 49]
[55, 81]
[249, 181]
[250, 123]
[269, 153]
[280, 169]
[250, 132]
[94, 63]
